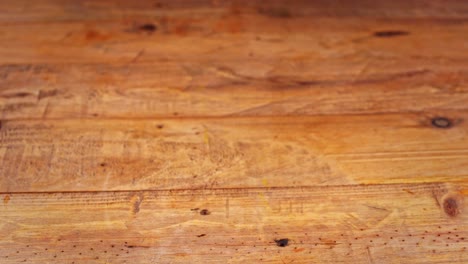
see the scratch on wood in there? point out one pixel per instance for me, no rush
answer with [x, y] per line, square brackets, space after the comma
[46, 110]
[229, 73]
[12, 163]
[138, 56]
[44, 94]
[362, 71]
[434, 194]
[137, 200]
[408, 191]
[50, 158]
[376, 208]
[227, 207]
[136, 246]
[369, 255]
[206, 137]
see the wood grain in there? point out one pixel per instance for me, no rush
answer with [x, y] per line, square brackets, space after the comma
[72, 155]
[248, 37]
[206, 131]
[202, 90]
[138, 60]
[16, 11]
[421, 223]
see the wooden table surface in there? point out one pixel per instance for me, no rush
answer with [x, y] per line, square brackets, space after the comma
[179, 131]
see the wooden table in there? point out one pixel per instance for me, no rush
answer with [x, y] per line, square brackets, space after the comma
[233, 131]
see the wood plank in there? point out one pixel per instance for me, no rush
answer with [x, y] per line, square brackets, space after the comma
[401, 223]
[17, 11]
[241, 131]
[124, 59]
[233, 37]
[121, 154]
[148, 90]
[303, 65]
[236, 32]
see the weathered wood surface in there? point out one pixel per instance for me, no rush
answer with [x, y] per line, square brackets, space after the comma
[84, 155]
[401, 223]
[207, 131]
[188, 58]
[322, 87]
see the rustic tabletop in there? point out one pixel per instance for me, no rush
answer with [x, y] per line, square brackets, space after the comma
[256, 131]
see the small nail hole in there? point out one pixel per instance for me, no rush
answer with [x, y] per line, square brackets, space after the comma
[205, 212]
[283, 242]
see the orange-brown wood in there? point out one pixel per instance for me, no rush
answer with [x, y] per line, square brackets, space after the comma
[401, 223]
[233, 131]
[118, 154]
[187, 89]
[141, 60]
